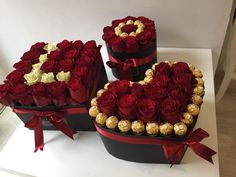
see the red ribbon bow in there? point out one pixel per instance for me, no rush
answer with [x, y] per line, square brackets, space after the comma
[54, 117]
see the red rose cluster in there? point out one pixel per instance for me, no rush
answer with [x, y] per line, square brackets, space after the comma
[130, 34]
[164, 99]
[72, 69]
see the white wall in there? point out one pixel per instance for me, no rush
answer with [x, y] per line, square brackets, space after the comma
[180, 23]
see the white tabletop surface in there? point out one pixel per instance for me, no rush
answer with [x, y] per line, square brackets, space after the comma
[87, 157]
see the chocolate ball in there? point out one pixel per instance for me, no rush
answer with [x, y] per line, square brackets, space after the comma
[101, 118]
[196, 99]
[191, 67]
[106, 86]
[193, 109]
[166, 129]
[137, 127]
[154, 66]
[139, 30]
[142, 82]
[200, 81]
[112, 122]
[149, 72]
[137, 22]
[197, 73]
[124, 35]
[141, 26]
[199, 90]
[130, 22]
[148, 79]
[187, 118]
[124, 126]
[180, 129]
[100, 92]
[132, 34]
[169, 62]
[152, 128]
[122, 24]
[94, 102]
[94, 111]
[118, 33]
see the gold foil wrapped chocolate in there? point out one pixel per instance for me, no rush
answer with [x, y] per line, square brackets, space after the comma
[149, 72]
[200, 81]
[193, 109]
[199, 90]
[94, 111]
[142, 82]
[154, 66]
[137, 127]
[197, 73]
[100, 92]
[94, 102]
[122, 24]
[124, 126]
[130, 22]
[180, 129]
[187, 118]
[191, 67]
[132, 34]
[124, 35]
[112, 122]
[196, 99]
[101, 118]
[166, 129]
[152, 128]
[106, 86]
[148, 79]
[137, 22]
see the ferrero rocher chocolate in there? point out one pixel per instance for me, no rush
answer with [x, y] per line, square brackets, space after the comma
[101, 118]
[106, 86]
[112, 122]
[137, 127]
[142, 82]
[154, 66]
[169, 62]
[148, 79]
[100, 92]
[187, 118]
[199, 90]
[124, 126]
[124, 35]
[193, 109]
[200, 81]
[166, 129]
[129, 22]
[180, 129]
[191, 67]
[196, 99]
[94, 111]
[94, 102]
[149, 72]
[152, 128]
[197, 73]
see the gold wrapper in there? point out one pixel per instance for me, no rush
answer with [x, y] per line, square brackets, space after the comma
[199, 90]
[193, 109]
[100, 92]
[122, 24]
[101, 118]
[112, 122]
[149, 72]
[180, 129]
[139, 30]
[94, 111]
[132, 34]
[130, 22]
[187, 118]
[191, 67]
[106, 86]
[166, 129]
[137, 22]
[200, 81]
[148, 79]
[142, 82]
[197, 73]
[137, 127]
[94, 102]
[154, 66]
[124, 126]
[124, 35]
[196, 99]
[152, 128]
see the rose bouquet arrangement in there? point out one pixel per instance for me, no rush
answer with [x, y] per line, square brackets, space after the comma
[134, 119]
[131, 46]
[52, 84]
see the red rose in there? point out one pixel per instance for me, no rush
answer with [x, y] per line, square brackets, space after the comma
[155, 93]
[5, 97]
[171, 110]
[162, 68]
[59, 93]
[77, 90]
[146, 110]
[117, 44]
[39, 46]
[40, 94]
[49, 66]
[90, 44]
[79, 45]
[15, 77]
[65, 65]
[161, 80]
[20, 94]
[55, 55]
[180, 67]
[89, 52]
[137, 90]
[129, 28]
[127, 106]
[107, 103]
[64, 45]
[71, 54]
[145, 38]
[23, 65]
[84, 74]
[177, 92]
[108, 34]
[184, 79]
[116, 22]
[32, 56]
[131, 44]
[85, 61]
[147, 22]
[119, 87]
[128, 18]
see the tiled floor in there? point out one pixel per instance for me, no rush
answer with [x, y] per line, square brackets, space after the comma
[226, 122]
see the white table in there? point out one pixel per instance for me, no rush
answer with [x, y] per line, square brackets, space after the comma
[87, 157]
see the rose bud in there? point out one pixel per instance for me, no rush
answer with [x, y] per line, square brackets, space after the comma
[84, 74]
[64, 45]
[5, 97]
[14, 77]
[155, 93]
[20, 94]
[32, 56]
[77, 90]
[180, 67]
[59, 93]
[24, 66]
[79, 45]
[40, 94]
[49, 66]
[71, 54]
[137, 90]
[39, 46]
[127, 106]
[117, 44]
[90, 44]
[85, 61]
[131, 44]
[55, 55]
[161, 80]
[107, 103]
[65, 65]
[119, 87]
[162, 68]
[146, 110]
[171, 110]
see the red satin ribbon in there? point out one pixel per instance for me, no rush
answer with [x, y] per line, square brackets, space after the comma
[124, 68]
[54, 117]
[173, 149]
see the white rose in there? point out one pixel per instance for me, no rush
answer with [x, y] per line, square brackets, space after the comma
[47, 77]
[63, 76]
[31, 78]
[43, 58]
[50, 47]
